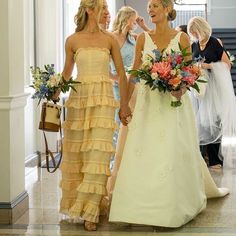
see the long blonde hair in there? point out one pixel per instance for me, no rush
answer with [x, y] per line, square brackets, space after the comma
[81, 17]
[122, 17]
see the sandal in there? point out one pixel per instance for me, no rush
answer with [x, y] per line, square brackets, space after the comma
[218, 166]
[90, 226]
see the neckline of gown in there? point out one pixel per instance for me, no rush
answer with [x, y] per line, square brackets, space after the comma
[168, 43]
[91, 48]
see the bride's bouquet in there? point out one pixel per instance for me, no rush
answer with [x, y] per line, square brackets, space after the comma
[169, 72]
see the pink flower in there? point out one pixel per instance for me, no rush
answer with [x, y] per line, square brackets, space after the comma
[190, 79]
[179, 59]
[162, 68]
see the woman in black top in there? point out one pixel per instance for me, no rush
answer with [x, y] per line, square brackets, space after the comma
[210, 113]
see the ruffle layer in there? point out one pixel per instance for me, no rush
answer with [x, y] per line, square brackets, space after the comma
[66, 204]
[71, 167]
[91, 123]
[87, 146]
[91, 101]
[86, 210]
[95, 168]
[69, 185]
[86, 167]
[92, 188]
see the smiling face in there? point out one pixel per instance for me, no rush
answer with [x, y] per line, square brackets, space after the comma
[156, 11]
[104, 15]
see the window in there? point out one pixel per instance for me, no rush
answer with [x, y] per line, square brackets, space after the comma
[71, 8]
[187, 9]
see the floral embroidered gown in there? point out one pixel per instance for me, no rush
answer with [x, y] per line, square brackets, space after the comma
[88, 132]
[162, 179]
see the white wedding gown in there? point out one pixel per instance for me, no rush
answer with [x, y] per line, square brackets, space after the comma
[162, 180]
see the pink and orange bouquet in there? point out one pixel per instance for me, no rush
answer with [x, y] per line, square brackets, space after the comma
[168, 72]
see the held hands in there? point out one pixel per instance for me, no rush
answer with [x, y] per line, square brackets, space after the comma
[125, 115]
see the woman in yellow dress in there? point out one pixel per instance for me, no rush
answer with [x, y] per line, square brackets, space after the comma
[89, 125]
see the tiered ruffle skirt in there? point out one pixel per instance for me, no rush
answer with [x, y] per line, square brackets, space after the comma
[87, 148]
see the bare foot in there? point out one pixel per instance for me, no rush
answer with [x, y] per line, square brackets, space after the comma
[90, 226]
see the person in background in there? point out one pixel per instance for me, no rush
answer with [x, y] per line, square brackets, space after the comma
[215, 107]
[182, 28]
[124, 27]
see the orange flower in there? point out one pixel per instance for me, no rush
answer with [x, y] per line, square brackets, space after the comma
[174, 82]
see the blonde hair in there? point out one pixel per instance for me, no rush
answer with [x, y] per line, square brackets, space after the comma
[169, 4]
[81, 17]
[122, 17]
[199, 26]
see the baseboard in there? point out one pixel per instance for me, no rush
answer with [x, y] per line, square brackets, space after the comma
[33, 160]
[10, 212]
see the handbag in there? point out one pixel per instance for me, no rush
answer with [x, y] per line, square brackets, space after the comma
[50, 117]
[50, 121]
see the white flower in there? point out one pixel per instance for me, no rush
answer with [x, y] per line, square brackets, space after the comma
[154, 76]
[37, 84]
[148, 57]
[146, 65]
[231, 57]
[173, 72]
[54, 81]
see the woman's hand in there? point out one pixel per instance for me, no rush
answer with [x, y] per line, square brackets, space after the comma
[205, 66]
[140, 21]
[125, 115]
[56, 95]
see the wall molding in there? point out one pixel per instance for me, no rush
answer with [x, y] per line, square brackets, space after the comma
[13, 102]
[10, 212]
[15, 202]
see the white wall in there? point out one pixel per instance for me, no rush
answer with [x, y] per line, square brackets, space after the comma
[49, 50]
[222, 14]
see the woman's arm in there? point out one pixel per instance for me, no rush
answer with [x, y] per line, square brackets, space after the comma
[69, 61]
[184, 43]
[137, 62]
[117, 59]
[69, 64]
[224, 57]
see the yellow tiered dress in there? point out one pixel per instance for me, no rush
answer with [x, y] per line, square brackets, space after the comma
[88, 132]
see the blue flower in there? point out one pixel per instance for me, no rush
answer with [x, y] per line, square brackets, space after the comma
[157, 54]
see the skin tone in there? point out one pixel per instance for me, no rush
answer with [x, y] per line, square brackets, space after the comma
[203, 43]
[140, 21]
[161, 36]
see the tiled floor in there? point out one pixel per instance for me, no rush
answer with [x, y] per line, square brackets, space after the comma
[43, 218]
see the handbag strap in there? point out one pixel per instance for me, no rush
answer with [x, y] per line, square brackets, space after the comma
[50, 154]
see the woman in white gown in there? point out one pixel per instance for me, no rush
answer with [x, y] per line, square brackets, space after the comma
[162, 179]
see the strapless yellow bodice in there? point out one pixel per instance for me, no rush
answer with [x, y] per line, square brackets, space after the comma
[92, 64]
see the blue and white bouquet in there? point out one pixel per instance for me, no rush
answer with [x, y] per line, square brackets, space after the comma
[47, 82]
